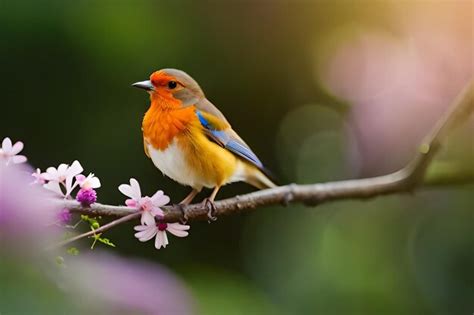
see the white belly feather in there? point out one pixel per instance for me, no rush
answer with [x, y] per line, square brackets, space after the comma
[171, 162]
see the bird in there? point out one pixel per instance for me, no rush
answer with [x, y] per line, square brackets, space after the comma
[190, 141]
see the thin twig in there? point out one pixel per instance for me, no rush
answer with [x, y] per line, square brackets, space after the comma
[99, 230]
[404, 180]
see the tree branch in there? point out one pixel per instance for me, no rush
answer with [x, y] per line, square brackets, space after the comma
[404, 180]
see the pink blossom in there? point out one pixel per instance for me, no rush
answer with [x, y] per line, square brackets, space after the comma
[63, 171]
[149, 205]
[39, 177]
[63, 175]
[9, 152]
[150, 228]
[91, 181]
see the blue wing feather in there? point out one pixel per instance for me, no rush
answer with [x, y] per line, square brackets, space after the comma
[231, 143]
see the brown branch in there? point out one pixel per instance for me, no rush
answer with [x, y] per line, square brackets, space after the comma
[404, 180]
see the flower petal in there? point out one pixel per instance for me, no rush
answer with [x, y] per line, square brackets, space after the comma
[71, 183]
[7, 145]
[145, 203]
[179, 230]
[54, 187]
[132, 191]
[147, 219]
[51, 174]
[74, 169]
[80, 178]
[160, 199]
[131, 203]
[135, 186]
[94, 182]
[147, 234]
[165, 239]
[161, 240]
[126, 190]
[17, 159]
[140, 227]
[158, 194]
[37, 173]
[62, 168]
[17, 147]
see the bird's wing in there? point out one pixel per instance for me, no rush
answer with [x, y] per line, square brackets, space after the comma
[206, 106]
[220, 132]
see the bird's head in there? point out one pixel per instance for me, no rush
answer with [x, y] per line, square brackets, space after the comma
[172, 85]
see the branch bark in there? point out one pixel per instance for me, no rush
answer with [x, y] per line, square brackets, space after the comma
[404, 180]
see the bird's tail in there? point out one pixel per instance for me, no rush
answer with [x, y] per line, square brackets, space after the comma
[260, 178]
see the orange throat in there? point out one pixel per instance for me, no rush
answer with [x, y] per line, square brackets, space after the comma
[164, 120]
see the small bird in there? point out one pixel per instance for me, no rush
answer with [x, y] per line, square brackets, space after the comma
[189, 139]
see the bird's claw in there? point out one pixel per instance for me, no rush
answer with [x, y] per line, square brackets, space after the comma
[211, 207]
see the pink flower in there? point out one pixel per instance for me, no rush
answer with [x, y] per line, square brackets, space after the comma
[39, 177]
[63, 172]
[25, 211]
[88, 182]
[150, 228]
[9, 152]
[149, 205]
[133, 191]
[63, 175]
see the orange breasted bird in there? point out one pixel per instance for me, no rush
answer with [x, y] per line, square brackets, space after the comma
[189, 139]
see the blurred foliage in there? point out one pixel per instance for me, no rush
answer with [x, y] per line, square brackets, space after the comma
[66, 75]
[26, 290]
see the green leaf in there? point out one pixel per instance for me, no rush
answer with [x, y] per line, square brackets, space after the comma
[105, 241]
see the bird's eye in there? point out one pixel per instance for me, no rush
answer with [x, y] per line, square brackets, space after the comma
[172, 85]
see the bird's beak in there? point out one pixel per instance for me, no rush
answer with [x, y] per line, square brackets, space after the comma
[146, 85]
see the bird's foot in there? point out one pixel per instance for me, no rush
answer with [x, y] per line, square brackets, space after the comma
[211, 207]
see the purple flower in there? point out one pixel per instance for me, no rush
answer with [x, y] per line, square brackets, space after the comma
[86, 196]
[64, 216]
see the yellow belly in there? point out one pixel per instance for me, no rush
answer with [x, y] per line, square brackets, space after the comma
[193, 160]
